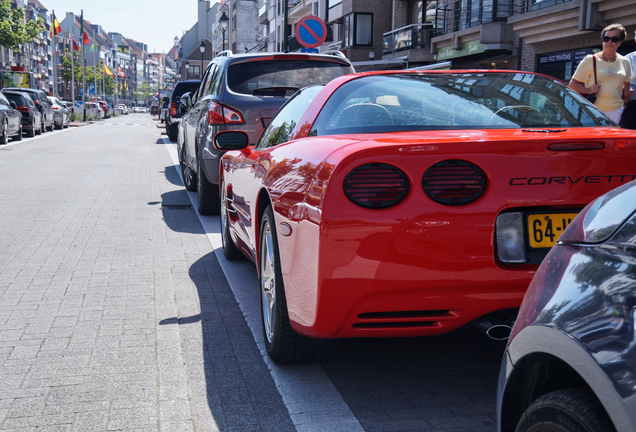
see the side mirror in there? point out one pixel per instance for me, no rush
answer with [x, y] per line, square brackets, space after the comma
[13, 105]
[186, 100]
[231, 140]
[183, 109]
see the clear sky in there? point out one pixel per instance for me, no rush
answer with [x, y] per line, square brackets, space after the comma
[153, 22]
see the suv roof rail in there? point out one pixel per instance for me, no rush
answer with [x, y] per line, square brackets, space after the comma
[335, 53]
[226, 53]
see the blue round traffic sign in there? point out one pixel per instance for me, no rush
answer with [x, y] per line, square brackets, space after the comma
[311, 31]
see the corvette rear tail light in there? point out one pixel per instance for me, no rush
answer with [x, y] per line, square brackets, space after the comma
[576, 146]
[454, 182]
[376, 185]
[219, 114]
[511, 247]
[173, 109]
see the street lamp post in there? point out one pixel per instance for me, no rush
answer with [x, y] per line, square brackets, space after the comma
[202, 49]
[223, 21]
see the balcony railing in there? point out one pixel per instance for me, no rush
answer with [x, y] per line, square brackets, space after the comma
[413, 36]
[523, 6]
[456, 15]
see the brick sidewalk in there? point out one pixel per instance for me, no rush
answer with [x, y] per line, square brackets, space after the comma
[114, 314]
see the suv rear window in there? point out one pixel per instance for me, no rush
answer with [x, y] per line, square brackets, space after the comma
[182, 88]
[281, 78]
[18, 99]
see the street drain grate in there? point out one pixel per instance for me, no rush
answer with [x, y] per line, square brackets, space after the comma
[177, 207]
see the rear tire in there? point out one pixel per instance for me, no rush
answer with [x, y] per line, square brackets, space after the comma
[208, 199]
[40, 129]
[282, 343]
[4, 137]
[230, 250]
[565, 410]
[18, 137]
[189, 176]
[31, 132]
[50, 128]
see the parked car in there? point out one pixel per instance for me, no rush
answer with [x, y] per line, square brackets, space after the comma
[174, 114]
[94, 110]
[570, 363]
[163, 111]
[60, 113]
[122, 109]
[104, 106]
[10, 121]
[43, 105]
[154, 108]
[71, 109]
[407, 203]
[31, 117]
[242, 92]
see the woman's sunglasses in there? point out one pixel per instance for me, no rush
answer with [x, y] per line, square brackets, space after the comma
[614, 39]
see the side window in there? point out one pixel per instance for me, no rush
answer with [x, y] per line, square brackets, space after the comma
[3, 100]
[210, 82]
[200, 92]
[281, 126]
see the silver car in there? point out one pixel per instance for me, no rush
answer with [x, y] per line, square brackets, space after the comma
[570, 364]
[60, 113]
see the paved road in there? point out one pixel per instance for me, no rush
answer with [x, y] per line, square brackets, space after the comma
[118, 312]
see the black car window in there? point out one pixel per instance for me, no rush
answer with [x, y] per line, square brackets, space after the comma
[18, 99]
[282, 125]
[182, 88]
[281, 77]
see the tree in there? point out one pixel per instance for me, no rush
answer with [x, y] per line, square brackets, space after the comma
[15, 30]
[67, 71]
[145, 92]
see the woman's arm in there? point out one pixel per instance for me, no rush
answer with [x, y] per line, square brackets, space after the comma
[580, 88]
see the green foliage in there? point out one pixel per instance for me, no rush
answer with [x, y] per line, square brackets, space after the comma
[145, 92]
[14, 29]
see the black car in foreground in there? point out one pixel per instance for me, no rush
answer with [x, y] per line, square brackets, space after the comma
[31, 117]
[242, 92]
[174, 114]
[570, 364]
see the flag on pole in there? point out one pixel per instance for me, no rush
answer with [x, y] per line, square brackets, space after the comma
[86, 39]
[120, 73]
[55, 26]
[107, 70]
[75, 44]
[82, 23]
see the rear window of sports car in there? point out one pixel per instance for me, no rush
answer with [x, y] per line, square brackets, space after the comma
[407, 102]
[282, 77]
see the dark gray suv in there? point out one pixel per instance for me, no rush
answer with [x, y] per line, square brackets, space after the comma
[241, 92]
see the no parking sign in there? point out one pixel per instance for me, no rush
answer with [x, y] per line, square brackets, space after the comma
[311, 31]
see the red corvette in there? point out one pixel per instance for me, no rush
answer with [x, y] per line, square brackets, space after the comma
[410, 203]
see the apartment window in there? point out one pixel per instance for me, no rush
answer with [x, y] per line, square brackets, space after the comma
[333, 3]
[539, 4]
[358, 29]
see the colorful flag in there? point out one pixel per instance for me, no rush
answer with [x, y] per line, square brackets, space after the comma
[120, 73]
[86, 40]
[82, 23]
[107, 70]
[55, 26]
[75, 45]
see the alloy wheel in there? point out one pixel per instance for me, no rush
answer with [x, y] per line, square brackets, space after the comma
[268, 283]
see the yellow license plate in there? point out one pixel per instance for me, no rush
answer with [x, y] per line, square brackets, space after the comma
[544, 229]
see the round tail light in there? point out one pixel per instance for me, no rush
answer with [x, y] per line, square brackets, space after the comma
[454, 182]
[376, 185]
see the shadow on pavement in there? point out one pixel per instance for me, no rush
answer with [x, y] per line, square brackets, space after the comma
[172, 175]
[441, 383]
[239, 388]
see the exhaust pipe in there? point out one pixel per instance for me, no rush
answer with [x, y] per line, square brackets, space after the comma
[493, 328]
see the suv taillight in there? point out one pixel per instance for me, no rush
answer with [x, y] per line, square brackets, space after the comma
[219, 114]
[173, 109]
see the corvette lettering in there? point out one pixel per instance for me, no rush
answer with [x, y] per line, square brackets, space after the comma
[540, 181]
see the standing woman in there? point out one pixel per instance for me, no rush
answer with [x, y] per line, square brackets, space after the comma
[613, 73]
